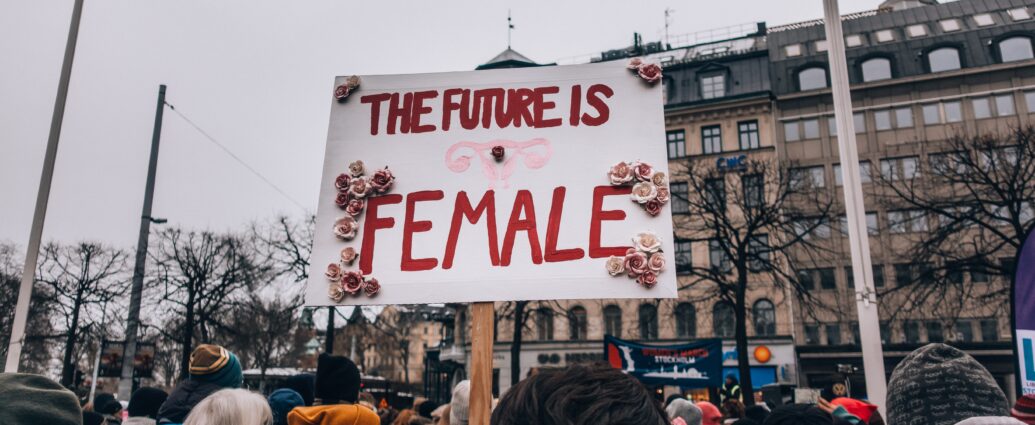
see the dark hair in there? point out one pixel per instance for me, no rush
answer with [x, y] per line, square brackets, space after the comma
[756, 413]
[337, 379]
[733, 408]
[798, 414]
[425, 408]
[145, 402]
[579, 394]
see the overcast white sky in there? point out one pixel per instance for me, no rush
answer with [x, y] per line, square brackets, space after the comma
[256, 75]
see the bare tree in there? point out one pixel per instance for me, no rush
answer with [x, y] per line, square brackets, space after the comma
[39, 329]
[81, 279]
[261, 332]
[751, 219]
[288, 245]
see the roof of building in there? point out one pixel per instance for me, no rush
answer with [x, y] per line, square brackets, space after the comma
[509, 58]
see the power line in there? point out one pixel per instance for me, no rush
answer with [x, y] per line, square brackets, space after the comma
[237, 158]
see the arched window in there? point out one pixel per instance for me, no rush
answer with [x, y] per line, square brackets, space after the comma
[943, 59]
[544, 324]
[764, 315]
[613, 321]
[876, 69]
[577, 323]
[812, 78]
[648, 322]
[723, 321]
[686, 320]
[1015, 49]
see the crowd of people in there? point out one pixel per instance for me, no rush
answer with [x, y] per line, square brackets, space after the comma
[935, 385]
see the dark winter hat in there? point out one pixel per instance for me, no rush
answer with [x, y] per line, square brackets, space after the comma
[798, 414]
[145, 402]
[1024, 410]
[102, 401]
[33, 399]
[304, 384]
[426, 408]
[215, 364]
[337, 379]
[281, 402]
[93, 418]
[940, 385]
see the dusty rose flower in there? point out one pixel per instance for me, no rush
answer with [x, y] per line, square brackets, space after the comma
[620, 173]
[345, 228]
[635, 264]
[342, 200]
[615, 265]
[630, 251]
[643, 171]
[643, 192]
[659, 179]
[656, 262]
[634, 64]
[352, 82]
[333, 272]
[349, 255]
[382, 180]
[498, 152]
[355, 207]
[352, 281]
[663, 195]
[359, 188]
[647, 242]
[372, 287]
[342, 182]
[335, 292]
[650, 72]
[648, 279]
[341, 92]
[356, 168]
[653, 207]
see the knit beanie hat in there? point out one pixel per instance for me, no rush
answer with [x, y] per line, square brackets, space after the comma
[93, 418]
[304, 384]
[28, 399]
[940, 385]
[337, 379]
[145, 402]
[461, 402]
[215, 364]
[685, 409]
[1024, 409]
[281, 402]
[708, 411]
[990, 420]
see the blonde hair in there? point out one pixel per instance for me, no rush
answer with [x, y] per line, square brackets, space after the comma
[231, 407]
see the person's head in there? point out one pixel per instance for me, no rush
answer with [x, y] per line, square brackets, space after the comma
[734, 408]
[215, 364]
[668, 400]
[584, 394]
[710, 414]
[731, 380]
[426, 409]
[145, 402]
[33, 399]
[460, 403]
[685, 409]
[281, 402]
[105, 404]
[304, 384]
[1024, 409]
[798, 414]
[367, 400]
[93, 418]
[937, 375]
[231, 406]
[757, 413]
[440, 416]
[337, 380]
[404, 417]
[859, 408]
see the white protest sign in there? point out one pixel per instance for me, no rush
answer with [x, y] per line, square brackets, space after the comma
[501, 188]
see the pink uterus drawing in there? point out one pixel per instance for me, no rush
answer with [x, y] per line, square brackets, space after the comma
[494, 172]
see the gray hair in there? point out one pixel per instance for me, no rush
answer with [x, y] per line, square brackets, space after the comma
[683, 408]
[231, 406]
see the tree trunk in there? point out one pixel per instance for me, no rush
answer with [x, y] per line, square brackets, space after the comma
[515, 343]
[743, 360]
[67, 367]
[188, 334]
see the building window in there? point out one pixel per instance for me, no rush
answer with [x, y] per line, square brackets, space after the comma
[943, 59]
[826, 278]
[748, 134]
[811, 334]
[806, 279]
[717, 257]
[907, 221]
[899, 168]
[882, 120]
[648, 322]
[754, 190]
[764, 315]
[807, 177]
[676, 140]
[858, 121]
[904, 117]
[953, 112]
[678, 194]
[884, 36]
[876, 69]
[872, 226]
[723, 322]
[686, 320]
[713, 86]
[577, 323]
[711, 139]
[1029, 100]
[758, 253]
[792, 50]
[811, 128]
[989, 330]
[949, 25]
[613, 321]
[821, 46]
[864, 173]
[935, 332]
[984, 20]
[878, 275]
[932, 114]
[918, 30]
[964, 331]
[790, 131]
[1019, 14]
[833, 334]
[684, 256]
[982, 109]
[544, 324]
[911, 330]
[812, 78]
[715, 194]
[854, 40]
[1015, 49]
[1004, 105]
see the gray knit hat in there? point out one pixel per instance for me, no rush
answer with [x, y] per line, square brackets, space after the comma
[459, 405]
[33, 399]
[683, 408]
[940, 385]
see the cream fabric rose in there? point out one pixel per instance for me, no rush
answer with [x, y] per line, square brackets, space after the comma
[643, 171]
[643, 192]
[615, 265]
[333, 272]
[349, 255]
[647, 242]
[359, 188]
[356, 168]
[345, 228]
[663, 195]
[335, 292]
[659, 179]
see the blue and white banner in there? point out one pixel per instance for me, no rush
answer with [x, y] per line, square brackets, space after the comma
[1024, 314]
[693, 365]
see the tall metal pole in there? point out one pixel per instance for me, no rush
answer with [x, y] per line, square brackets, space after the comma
[21, 309]
[862, 271]
[133, 322]
[328, 340]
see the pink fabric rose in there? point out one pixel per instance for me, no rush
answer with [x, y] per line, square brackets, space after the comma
[372, 287]
[659, 179]
[382, 180]
[349, 255]
[333, 272]
[650, 72]
[341, 92]
[647, 242]
[656, 262]
[352, 281]
[354, 207]
[335, 292]
[643, 171]
[356, 168]
[636, 264]
[342, 182]
[648, 279]
[620, 173]
[643, 192]
[663, 195]
[615, 265]
[359, 188]
[342, 200]
[653, 207]
[345, 228]
[634, 64]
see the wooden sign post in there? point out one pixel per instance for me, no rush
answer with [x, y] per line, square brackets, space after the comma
[481, 363]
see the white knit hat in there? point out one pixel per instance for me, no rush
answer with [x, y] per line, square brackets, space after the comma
[460, 403]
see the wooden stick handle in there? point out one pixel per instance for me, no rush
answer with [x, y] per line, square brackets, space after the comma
[481, 363]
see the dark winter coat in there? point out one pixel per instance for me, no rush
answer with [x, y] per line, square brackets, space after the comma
[183, 398]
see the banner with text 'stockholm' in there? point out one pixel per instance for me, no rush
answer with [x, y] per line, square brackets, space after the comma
[516, 184]
[696, 364]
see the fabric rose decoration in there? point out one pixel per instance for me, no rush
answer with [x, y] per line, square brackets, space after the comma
[382, 180]
[354, 207]
[650, 189]
[372, 287]
[635, 263]
[643, 262]
[656, 262]
[663, 195]
[333, 272]
[649, 72]
[659, 179]
[356, 168]
[349, 255]
[335, 292]
[643, 171]
[342, 182]
[352, 281]
[341, 92]
[643, 192]
[615, 265]
[620, 173]
[634, 64]
[653, 207]
[647, 242]
[345, 228]
[342, 200]
[648, 279]
[498, 152]
[359, 188]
